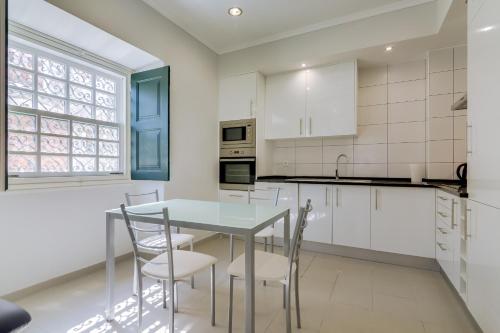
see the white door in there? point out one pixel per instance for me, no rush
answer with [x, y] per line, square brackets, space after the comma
[285, 105]
[319, 220]
[484, 265]
[238, 97]
[331, 100]
[288, 198]
[403, 221]
[483, 114]
[233, 196]
[351, 216]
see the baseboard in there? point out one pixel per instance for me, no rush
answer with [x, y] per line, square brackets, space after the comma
[76, 274]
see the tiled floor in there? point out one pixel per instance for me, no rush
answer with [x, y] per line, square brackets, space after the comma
[337, 294]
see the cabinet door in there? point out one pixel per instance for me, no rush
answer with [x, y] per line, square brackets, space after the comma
[319, 220]
[483, 49]
[237, 97]
[403, 221]
[288, 198]
[483, 274]
[285, 105]
[233, 196]
[351, 216]
[331, 100]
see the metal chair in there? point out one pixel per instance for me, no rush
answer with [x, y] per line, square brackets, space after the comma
[144, 241]
[172, 265]
[267, 232]
[275, 267]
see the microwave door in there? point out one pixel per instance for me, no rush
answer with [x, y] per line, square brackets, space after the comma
[234, 134]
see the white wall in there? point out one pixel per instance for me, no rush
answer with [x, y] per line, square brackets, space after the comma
[47, 233]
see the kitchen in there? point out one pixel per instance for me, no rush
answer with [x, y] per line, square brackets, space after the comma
[390, 133]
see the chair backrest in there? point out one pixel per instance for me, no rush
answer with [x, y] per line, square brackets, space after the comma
[270, 196]
[298, 234]
[132, 230]
[141, 198]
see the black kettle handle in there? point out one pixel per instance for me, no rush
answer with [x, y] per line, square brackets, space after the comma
[459, 170]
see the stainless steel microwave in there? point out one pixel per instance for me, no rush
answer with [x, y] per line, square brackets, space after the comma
[237, 134]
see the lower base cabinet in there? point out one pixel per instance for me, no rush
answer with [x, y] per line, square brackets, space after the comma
[319, 220]
[402, 221]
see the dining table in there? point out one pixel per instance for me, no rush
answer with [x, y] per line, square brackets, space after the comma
[240, 220]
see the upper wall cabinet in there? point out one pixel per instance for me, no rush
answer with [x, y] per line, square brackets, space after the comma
[312, 103]
[238, 97]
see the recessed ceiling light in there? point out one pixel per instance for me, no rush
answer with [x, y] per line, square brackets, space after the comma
[486, 29]
[235, 11]
[388, 48]
[303, 65]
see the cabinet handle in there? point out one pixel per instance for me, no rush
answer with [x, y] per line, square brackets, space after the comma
[236, 195]
[326, 196]
[310, 126]
[468, 137]
[466, 224]
[453, 224]
[442, 247]
[376, 199]
[443, 214]
[442, 198]
[337, 196]
[300, 126]
[443, 231]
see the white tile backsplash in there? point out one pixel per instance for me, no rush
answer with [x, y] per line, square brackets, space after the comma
[372, 115]
[407, 71]
[375, 95]
[407, 132]
[371, 134]
[441, 60]
[406, 152]
[441, 83]
[372, 76]
[406, 112]
[407, 91]
[370, 153]
[396, 126]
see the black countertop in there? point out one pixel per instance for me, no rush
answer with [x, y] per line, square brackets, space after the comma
[449, 186]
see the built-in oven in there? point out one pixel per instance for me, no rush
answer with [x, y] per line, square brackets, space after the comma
[237, 169]
[237, 134]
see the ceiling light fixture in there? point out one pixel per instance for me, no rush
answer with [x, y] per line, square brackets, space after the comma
[486, 29]
[388, 48]
[303, 65]
[235, 11]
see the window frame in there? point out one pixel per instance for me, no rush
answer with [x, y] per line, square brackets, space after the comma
[40, 44]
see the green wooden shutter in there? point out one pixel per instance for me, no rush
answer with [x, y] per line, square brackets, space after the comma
[150, 95]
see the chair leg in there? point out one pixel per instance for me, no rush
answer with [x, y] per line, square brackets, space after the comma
[284, 296]
[230, 320]
[164, 293]
[176, 296]
[297, 301]
[134, 283]
[192, 277]
[288, 308]
[231, 248]
[139, 298]
[272, 244]
[212, 293]
[265, 244]
[171, 283]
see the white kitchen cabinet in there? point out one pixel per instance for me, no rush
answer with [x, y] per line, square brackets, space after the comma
[285, 105]
[319, 220]
[233, 196]
[288, 198]
[351, 216]
[402, 220]
[331, 100]
[312, 103]
[238, 97]
[483, 269]
[483, 116]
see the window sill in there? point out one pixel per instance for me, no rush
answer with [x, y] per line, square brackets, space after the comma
[16, 184]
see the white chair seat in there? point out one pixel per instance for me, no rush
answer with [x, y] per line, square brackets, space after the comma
[268, 267]
[159, 240]
[186, 264]
[265, 233]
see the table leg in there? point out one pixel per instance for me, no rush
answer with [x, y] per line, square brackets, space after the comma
[286, 234]
[110, 268]
[250, 284]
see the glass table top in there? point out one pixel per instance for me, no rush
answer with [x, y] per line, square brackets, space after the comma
[221, 214]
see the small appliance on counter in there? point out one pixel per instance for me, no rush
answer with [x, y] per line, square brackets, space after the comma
[462, 173]
[237, 155]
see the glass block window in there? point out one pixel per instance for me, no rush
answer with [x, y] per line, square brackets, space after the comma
[65, 117]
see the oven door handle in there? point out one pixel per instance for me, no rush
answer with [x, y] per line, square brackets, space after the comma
[237, 160]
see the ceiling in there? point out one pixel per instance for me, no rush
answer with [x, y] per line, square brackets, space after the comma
[265, 21]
